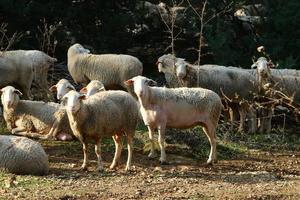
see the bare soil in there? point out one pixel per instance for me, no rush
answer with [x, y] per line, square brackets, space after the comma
[256, 174]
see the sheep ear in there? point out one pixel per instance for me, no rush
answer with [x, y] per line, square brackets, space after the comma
[53, 88]
[101, 89]
[253, 66]
[83, 90]
[128, 82]
[152, 83]
[82, 97]
[18, 92]
[70, 87]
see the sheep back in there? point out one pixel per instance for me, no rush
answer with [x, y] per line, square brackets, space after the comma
[204, 100]
[105, 113]
[21, 155]
[110, 69]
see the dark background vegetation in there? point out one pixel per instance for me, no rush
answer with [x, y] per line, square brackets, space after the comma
[109, 26]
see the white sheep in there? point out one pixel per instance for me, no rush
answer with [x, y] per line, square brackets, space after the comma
[14, 73]
[62, 87]
[38, 60]
[107, 113]
[21, 155]
[111, 69]
[35, 119]
[92, 88]
[177, 108]
[287, 84]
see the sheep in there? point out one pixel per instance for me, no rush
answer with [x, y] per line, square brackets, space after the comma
[21, 155]
[35, 119]
[62, 87]
[111, 69]
[92, 88]
[287, 84]
[38, 60]
[177, 108]
[107, 113]
[17, 73]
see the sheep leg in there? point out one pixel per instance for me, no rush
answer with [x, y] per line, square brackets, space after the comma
[152, 153]
[23, 132]
[53, 131]
[242, 112]
[98, 153]
[161, 142]
[210, 132]
[129, 147]
[85, 156]
[252, 120]
[118, 150]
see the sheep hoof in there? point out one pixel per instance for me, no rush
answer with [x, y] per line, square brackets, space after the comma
[83, 168]
[128, 169]
[211, 162]
[164, 162]
[112, 166]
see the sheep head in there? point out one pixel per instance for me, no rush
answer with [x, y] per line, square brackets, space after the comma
[62, 87]
[92, 88]
[10, 97]
[180, 67]
[72, 101]
[263, 68]
[140, 84]
[166, 63]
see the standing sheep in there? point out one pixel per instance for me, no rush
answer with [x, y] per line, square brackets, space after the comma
[39, 61]
[15, 72]
[108, 113]
[288, 85]
[111, 69]
[34, 118]
[21, 155]
[177, 108]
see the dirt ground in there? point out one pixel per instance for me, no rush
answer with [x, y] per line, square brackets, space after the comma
[254, 175]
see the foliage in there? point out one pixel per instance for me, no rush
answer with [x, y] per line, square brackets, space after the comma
[120, 27]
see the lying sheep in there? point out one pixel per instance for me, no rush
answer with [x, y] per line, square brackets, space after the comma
[92, 88]
[13, 72]
[38, 60]
[21, 155]
[62, 87]
[111, 69]
[35, 119]
[108, 113]
[177, 108]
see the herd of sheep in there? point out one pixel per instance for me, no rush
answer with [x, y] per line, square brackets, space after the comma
[196, 95]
